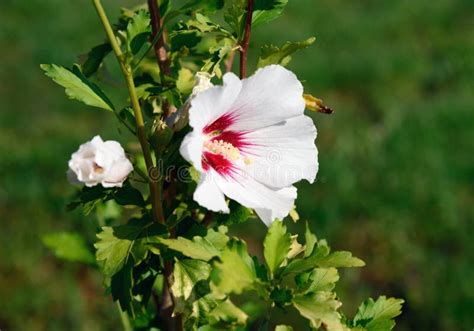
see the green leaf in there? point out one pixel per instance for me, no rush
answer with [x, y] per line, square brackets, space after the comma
[282, 327]
[276, 245]
[235, 272]
[205, 6]
[265, 11]
[138, 31]
[323, 279]
[320, 308]
[270, 54]
[378, 315]
[186, 274]
[310, 241]
[69, 246]
[128, 195]
[217, 54]
[234, 16]
[295, 248]
[91, 197]
[200, 248]
[341, 259]
[185, 81]
[178, 214]
[117, 243]
[77, 86]
[165, 7]
[94, 59]
[281, 296]
[320, 257]
[228, 313]
[238, 214]
[121, 286]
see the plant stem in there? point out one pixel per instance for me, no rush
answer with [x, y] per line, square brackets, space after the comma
[174, 322]
[156, 27]
[124, 318]
[246, 40]
[127, 72]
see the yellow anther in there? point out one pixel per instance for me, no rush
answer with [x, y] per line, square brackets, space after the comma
[223, 148]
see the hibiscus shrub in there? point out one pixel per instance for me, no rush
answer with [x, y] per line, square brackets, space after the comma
[211, 156]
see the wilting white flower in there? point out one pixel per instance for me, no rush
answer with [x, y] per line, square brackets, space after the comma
[251, 142]
[179, 119]
[99, 161]
[202, 83]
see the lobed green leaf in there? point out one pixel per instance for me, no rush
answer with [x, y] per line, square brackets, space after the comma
[117, 244]
[186, 274]
[201, 248]
[320, 308]
[270, 54]
[265, 11]
[378, 315]
[276, 245]
[138, 31]
[235, 272]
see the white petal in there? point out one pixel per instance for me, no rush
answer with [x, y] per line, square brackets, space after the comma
[268, 215]
[208, 194]
[191, 149]
[273, 203]
[284, 153]
[117, 173]
[209, 105]
[96, 141]
[271, 95]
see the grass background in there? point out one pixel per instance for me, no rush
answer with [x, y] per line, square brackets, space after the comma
[395, 184]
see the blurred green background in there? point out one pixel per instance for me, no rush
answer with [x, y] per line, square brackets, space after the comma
[395, 184]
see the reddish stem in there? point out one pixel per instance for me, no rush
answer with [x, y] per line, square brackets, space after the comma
[156, 26]
[246, 40]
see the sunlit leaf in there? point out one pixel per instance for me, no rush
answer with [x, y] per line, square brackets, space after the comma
[270, 54]
[186, 274]
[378, 315]
[117, 243]
[201, 248]
[320, 308]
[77, 86]
[276, 245]
[227, 312]
[235, 271]
[321, 257]
[265, 11]
[138, 31]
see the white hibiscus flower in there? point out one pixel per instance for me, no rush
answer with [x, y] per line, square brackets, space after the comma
[251, 141]
[99, 162]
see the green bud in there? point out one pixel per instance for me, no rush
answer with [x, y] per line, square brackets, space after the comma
[161, 136]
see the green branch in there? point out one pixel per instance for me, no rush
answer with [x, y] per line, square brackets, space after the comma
[127, 73]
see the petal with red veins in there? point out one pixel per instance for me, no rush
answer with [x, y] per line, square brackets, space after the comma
[211, 104]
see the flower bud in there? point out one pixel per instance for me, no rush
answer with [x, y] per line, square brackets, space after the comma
[179, 119]
[161, 136]
[99, 162]
[315, 104]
